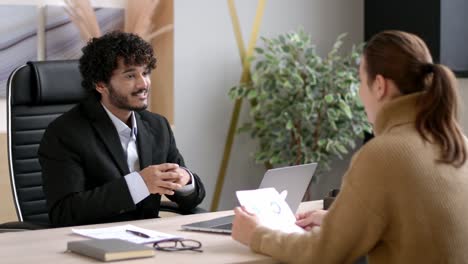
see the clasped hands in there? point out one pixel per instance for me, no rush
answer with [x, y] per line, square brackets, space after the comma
[245, 223]
[164, 178]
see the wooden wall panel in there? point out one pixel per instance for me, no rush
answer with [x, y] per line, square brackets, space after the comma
[162, 79]
[7, 208]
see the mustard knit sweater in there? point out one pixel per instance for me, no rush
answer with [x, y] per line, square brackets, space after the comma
[396, 204]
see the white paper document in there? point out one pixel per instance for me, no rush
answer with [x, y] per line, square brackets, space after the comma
[270, 207]
[125, 232]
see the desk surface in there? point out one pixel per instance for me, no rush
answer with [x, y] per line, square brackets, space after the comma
[48, 246]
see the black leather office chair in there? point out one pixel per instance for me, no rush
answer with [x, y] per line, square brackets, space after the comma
[37, 93]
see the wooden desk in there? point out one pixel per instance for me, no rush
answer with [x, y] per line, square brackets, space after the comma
[48, 246]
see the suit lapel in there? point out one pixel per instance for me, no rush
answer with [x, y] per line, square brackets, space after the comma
[107, 133]
[145, 142]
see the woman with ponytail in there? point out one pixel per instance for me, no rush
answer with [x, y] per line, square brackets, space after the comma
[404, 197]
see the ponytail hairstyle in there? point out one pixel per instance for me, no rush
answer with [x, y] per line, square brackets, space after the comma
[405, 59]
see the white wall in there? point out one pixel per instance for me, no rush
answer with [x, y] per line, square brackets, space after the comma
[207, 65]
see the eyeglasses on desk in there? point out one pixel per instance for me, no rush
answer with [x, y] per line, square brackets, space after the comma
[178, 245]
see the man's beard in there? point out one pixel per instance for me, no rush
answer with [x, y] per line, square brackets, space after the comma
[122, 102]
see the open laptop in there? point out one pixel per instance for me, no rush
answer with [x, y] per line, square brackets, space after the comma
[293, 179]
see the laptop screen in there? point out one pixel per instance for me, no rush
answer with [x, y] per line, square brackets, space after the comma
[293, 179]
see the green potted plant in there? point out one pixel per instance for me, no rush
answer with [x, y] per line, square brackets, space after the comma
[303, 108]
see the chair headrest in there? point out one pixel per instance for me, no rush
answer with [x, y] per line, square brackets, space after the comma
[56, 82]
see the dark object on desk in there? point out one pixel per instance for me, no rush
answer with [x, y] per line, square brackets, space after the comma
[110, 249]
[330, 198]
[38, 93]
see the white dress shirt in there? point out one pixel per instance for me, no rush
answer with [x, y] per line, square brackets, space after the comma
[136, 185]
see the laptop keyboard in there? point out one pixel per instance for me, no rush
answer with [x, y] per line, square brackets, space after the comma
[225, 226]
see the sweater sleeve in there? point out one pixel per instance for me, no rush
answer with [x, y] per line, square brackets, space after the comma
[352, 227]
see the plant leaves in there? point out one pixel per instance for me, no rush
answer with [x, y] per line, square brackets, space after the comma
[329, 98]
[346, 109]
[301, 102]
[259, 50]
[252, 94]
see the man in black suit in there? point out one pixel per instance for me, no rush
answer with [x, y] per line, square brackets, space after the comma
[108, 159]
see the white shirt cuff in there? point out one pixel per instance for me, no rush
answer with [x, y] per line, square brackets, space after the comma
[189, 188]
[136, 186]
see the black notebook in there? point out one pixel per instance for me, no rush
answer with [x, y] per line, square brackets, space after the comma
[110, 249]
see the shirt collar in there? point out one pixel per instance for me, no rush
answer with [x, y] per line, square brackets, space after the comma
[121, 127]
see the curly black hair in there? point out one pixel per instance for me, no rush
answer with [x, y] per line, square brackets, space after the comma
[100, 57]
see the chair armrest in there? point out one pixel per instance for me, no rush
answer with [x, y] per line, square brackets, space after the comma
[169, 206]
[17, 226]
